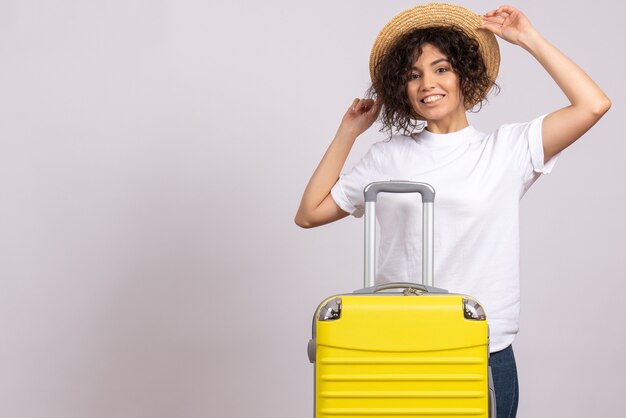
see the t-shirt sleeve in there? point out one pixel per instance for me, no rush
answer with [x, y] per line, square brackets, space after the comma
[527, 143]
[348, 191]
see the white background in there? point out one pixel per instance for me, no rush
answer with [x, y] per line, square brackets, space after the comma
[153, 155]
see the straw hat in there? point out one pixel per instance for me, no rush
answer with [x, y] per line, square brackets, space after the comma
[438, 14]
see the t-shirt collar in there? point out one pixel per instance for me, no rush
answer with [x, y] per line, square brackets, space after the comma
[444, 140]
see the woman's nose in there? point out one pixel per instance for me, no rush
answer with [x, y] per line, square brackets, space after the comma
[427, 82]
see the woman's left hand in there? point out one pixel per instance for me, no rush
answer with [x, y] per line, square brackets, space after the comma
[508, 23]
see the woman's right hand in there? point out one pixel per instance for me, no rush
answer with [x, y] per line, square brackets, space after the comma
[360, 116]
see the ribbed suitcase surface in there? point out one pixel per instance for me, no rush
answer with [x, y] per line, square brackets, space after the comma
[391, 355]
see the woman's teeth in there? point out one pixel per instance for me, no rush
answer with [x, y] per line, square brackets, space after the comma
[431, 99]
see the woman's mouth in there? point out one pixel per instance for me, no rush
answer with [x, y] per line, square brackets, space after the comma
[432, 99]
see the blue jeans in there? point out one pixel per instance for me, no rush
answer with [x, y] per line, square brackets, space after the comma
[505, 382]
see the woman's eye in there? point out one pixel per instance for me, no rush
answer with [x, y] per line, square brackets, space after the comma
[442, 70]
[414, 76]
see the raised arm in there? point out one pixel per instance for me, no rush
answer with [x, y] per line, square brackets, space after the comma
[317, 206]
[588, 103]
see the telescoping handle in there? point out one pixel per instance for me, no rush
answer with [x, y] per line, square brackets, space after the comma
[428, 221]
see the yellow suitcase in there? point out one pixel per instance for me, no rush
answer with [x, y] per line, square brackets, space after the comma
[422, 352]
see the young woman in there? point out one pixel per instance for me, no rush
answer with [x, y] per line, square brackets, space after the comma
[429, 66]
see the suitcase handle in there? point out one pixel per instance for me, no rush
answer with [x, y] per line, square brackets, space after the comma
[399, 186]
[401, 285]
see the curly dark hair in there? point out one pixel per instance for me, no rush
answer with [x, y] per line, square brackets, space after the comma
[393, 69]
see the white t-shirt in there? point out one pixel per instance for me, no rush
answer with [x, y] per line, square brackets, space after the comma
[478, 179]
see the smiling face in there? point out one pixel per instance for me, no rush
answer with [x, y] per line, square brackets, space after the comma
[433, 90]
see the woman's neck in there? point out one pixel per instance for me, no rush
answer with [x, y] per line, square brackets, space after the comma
[448, 125]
